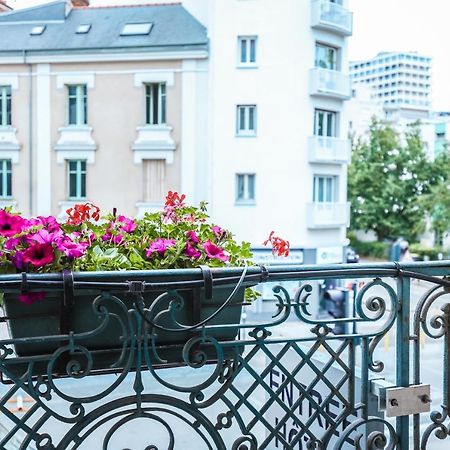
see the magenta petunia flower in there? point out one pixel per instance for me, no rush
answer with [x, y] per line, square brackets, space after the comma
[39, 255]
[17, 260]
[192, 236]
[160, 246]
[72, 249]
[214, 252]
[11, 224]
[191, 251]
[30, 297]
[127, 225]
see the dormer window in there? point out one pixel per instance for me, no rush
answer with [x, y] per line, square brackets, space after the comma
[84, 28]
[37, 31]
[136, 29]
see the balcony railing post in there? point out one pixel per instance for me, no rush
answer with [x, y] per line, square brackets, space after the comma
[402, 350]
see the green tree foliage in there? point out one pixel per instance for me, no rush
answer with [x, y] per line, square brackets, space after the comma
[388, 176]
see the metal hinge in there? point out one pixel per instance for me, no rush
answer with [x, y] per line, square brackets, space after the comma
[401, 401]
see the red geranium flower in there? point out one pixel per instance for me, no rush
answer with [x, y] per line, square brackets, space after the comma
[82, 212]
[174, 200]
[280, 247]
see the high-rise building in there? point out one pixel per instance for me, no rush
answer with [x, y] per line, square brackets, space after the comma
[400, 81]
[236, 102]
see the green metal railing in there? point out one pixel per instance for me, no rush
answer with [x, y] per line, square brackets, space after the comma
[179, 370]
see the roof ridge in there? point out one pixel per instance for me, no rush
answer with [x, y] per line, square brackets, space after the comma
[130, 6]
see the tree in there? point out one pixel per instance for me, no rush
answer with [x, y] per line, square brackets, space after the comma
[388, 175]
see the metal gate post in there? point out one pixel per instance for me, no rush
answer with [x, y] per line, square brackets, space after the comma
[402, 351]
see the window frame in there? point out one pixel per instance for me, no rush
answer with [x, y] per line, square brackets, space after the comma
[335, 62]
[333, 191]
[245, 43]
[161, 104]
[5, 178]
[78, 172]
[327, 114]
[5, 106]
[246, 131]
[248, 189]
[81, 106]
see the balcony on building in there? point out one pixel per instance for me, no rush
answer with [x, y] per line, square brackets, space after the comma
[328, 150]
[331, 16]
[327, 215]
[330, 83]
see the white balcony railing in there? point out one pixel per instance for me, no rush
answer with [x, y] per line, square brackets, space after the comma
[330, 83]
[331, 16]
[328, 214]
[324, 149]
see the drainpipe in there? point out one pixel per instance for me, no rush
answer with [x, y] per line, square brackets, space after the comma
[30, 133]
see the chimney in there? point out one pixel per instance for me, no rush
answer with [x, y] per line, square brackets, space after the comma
[79, 3]
[4, 7]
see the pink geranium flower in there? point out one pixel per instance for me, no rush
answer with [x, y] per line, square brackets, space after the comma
[214, 252]
[39, 255]
[11, 224]
[191, 251]
[160, 246]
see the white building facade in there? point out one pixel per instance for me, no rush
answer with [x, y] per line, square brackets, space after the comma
[278, 131]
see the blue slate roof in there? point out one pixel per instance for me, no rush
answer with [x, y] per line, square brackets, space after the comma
[173, 28]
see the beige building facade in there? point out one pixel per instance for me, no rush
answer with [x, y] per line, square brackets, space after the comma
[98, 125]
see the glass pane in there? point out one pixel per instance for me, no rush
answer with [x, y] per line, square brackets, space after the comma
[320, 117]
[330, 124]
[72, 110]
[243, 44]
[331, 59]
[72, 91]
[320, 57]
[329, 189]
[8, 110]
[163, 103]
[155, 103]
[84, 91]
[148, 102]
[242, 118]
[72, 166]
[2, 181]
[83, 185]
[320, 194]
[251, 187]
[251, 118]
[240, 187]
[252, 50]
[8, 184]
[83, 166]
[72, 184]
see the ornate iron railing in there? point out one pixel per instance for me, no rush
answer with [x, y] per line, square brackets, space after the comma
[293, 378]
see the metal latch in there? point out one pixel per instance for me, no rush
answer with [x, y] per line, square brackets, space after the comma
[401, 401]
[404, 401]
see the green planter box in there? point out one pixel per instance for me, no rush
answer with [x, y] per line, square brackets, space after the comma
[112, 323]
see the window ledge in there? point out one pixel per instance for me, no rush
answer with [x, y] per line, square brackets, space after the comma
[154, 142]
[5, 201]
[247, 66]
[245, 203]
[245, 135]
[75, 142]
[148, 207]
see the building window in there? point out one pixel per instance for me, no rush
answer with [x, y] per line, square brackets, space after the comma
[247, 50]
[154, 180]
[246, 120]
[77, 104]
[325, 189]
[5, 178]
[245, 188]
[324, 123]
[326, 57]
[77, 179]
[155, 104]
[5, 106]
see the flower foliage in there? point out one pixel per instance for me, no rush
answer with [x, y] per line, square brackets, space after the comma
[179, 236]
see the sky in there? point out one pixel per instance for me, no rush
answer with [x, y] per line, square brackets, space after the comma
[380, 25]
